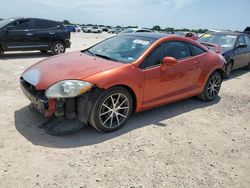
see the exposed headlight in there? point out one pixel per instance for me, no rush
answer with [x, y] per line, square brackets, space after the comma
[68, 89]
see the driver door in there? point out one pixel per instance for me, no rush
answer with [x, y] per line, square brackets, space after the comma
[19, 36]
[241, 54]
[177, 81]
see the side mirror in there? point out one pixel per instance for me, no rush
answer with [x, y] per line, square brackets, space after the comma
[241, 45]
[167, 62]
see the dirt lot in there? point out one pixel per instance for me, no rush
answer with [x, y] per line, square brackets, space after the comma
[186, 144]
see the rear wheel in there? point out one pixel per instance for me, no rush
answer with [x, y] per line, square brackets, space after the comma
[212, 87]
[1, 51]
[229, 68]
[57, 48]
[112, 110]
[248, 66]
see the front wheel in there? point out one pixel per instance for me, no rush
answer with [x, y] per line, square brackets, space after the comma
[112, 110]
[248, 66]
[229, 68]
[212, 87]
[57, 48]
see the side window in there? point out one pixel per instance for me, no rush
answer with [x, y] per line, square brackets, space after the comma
[153, 59]
[247, 39]
[44, 24]
[240, 40]
[178, 50]
[23, 24]
[196, 50]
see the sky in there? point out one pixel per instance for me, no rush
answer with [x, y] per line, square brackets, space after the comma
[192, 14]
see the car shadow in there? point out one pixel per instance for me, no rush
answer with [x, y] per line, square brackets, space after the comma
[24, 55]
[27, 124]
[236, 73]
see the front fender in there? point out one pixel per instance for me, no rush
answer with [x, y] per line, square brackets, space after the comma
[129, 76]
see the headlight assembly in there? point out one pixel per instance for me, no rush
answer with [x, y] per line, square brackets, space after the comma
[68, 89]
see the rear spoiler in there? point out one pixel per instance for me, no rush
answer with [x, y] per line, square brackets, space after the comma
[209, 45]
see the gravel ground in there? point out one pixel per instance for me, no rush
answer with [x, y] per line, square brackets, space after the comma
[186, 144]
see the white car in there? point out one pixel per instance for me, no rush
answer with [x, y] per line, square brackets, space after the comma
[86, 29]
[96, 29]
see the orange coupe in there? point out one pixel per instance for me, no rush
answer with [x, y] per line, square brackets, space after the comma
[104, 84]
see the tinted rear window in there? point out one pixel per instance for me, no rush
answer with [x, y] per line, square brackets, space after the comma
[45, 24]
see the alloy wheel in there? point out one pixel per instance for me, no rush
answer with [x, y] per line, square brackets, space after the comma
[59, 48]
[214, 86]
[114, 110]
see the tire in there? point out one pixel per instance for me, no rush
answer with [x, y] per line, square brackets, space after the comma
[111, 110]
[44, 51]
[229, 68]
[57, 48]
[212, 87]
[1, 51]
[248, 66]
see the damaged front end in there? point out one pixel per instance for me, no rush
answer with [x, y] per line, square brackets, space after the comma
[46, 104]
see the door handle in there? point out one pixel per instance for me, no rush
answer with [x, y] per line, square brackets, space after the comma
[52, 33]
[29, 34]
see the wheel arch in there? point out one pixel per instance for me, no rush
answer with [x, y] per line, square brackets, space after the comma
[132, 93]
[1, 47]
[219, 71]
[57, 40]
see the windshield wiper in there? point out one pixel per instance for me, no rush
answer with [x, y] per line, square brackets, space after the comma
[89, 52]
[106, 57]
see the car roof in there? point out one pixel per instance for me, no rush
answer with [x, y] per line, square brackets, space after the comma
[18, 18]
[155, 36]
[224, 33]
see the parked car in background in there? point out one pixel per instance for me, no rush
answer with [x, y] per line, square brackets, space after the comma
[104, 84]
[105, 29]
[247, 30]
[137, 30]
[86, 29]
[95, 29]
[70, 28]
[26, 34]
[115, 31]
[235, 47]
[78, 28]
[187, 34]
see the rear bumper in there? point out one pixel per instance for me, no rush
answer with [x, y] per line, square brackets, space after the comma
[67, 43]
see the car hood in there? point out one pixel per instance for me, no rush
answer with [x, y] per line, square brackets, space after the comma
[226, 49]
[75, 65]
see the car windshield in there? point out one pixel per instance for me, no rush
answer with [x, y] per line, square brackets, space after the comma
[124, 49]
[5, 22]
[224, 40]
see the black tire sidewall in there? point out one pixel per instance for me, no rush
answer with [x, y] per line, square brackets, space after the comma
[94, 116]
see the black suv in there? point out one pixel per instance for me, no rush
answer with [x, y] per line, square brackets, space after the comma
[25, 34]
